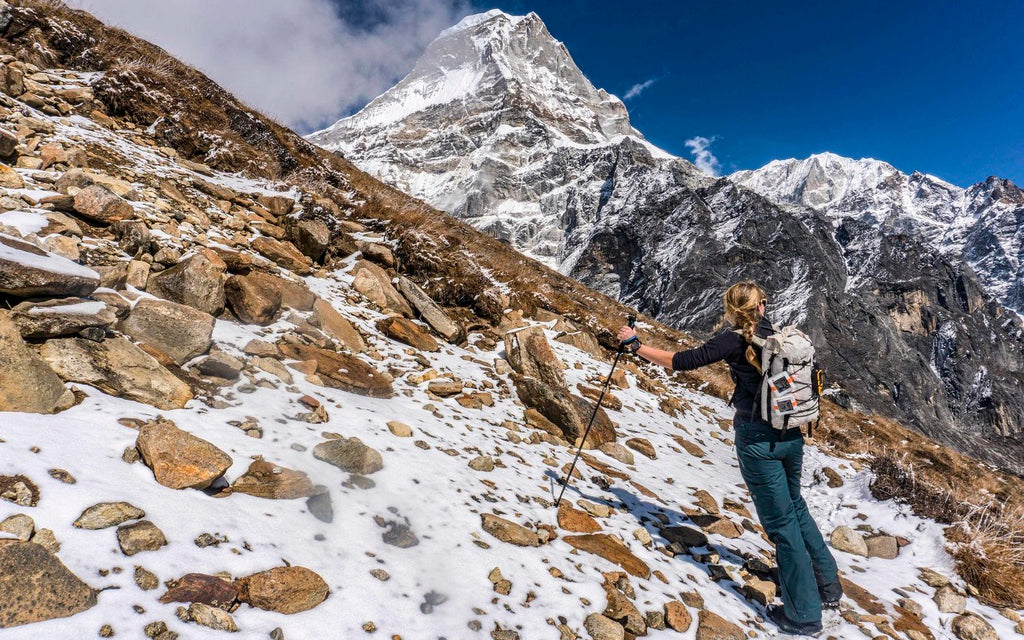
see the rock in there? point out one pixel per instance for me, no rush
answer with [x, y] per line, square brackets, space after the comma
[20, 490]
[677, 616]
[582, 340]
[212, 617]
[706, 501]
[268, 480]
[762, 591]
[140, 536]
[445, 388]
[685, 536]
[27, 271]
[508, 531]
[577, 521]
[374, 283]
[846, 539]
[221, 365]
[197, 280]
[718, 525]
[620, 608]
[617, 451]
[602, 628]
[711, 626]
[46, 539]
[283, 253]
[36, 586]
[10, 179]
[180, 331]
[595, 509]
[343, 371]
[108, 514]
[529, 353]
[101, 205]
[376, 252]
[932, 578]
[349, 454]
[973, 627]
[949, 601]
[199, 587]
[612, 550]
[643, 446]
[145, 579]
[311, 238]
[408, 332]
[19, 525]
[885, 547]
[8, 144]
[400, 429]
[568, 412]
[400, 535]
[60, 317]
[251, 300]
[431, 313]
[328, 320]
[132, 235]
[482, 463]
[832, 477]
[273, 367]
[117, 367]
[283, 589]
[179, 459]
[29, 384]
[321, 508]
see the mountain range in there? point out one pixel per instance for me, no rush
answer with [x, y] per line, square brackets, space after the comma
[914, 284]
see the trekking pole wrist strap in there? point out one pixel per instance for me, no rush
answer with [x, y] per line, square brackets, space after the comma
[632, 344]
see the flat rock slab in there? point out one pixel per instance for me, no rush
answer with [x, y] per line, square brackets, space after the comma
[36, 586]
[408, 332]
[611, 550]
[327, 319]
[101, 205]
[117, 367]
[180, 331]
[268, 480]
[28, 383]
[343, 371]
[61, 317]
[283, 589]
[26, 271]
[349, 454]
[508, 531]
[576, 520]
[108, 514]
[180, 460]
[200, 587]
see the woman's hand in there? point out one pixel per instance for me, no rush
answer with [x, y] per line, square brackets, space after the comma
[625, 333]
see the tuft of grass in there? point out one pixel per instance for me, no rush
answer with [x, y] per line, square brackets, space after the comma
[988, 546]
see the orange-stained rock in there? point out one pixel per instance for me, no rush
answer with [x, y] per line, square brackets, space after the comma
[268, 480]
[612, 550]
[408, 332]
[283, 253]
[179, 459]
[677, 616]
[342, 370]
[711, 626]
[283, 589]
[572, 519]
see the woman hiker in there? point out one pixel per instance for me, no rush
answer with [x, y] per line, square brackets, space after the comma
[770, 461]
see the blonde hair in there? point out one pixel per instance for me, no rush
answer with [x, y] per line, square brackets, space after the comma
[741, 301]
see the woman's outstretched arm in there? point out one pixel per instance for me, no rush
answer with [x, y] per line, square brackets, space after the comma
[657, 356]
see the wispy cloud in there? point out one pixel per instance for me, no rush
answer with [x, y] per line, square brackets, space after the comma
[299, 61]
[638, 88]
[706, 161]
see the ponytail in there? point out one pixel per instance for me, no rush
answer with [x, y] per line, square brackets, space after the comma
[741, 303]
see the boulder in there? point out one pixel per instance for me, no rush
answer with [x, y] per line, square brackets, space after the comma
[575, 520]
[20, 526]
[221, 365]
[685, 536]
[35, 586]
[408, 332]
[310, 237]
[431, 313]
[617, 451]
[276, 205]
[677, 616]
[8, 144]
[108, 514]
[283, 253]
[948, 600]
[197, 280]
[117, 367]
[376, 252]
[400, 429]
[612, 550]
[568, 412]
[603, 628]
[199, 587]
[10, 179]
[20, 490]
[761, 591]
[180, 331]
[529, 353]
[132, 235]
[60, 317]
[349, 454]
[972, 627]
[844, 538]
[584, 341]
[140, 536]
[268, 480]
[252, 300]
[179, 459]
[99, 204]
[328, 320]
[27, 271]
[508, 531]
[620, 608]
[343, 371]
[711, 626]
[374, 282]
[642, 445]
[28, 383]
[283, 589]
[885, 547]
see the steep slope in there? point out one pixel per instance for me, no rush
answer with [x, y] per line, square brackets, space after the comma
[372, 445]
[904, 277]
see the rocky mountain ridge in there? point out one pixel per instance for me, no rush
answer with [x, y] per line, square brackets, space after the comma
[909, 281]
[293, 390]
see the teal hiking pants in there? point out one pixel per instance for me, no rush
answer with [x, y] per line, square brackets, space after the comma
[770, 462]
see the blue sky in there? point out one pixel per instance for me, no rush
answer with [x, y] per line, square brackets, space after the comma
[935, 87]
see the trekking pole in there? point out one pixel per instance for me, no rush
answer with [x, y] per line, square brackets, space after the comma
[608, 380]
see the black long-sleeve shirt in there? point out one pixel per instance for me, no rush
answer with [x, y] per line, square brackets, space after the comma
[731, 347]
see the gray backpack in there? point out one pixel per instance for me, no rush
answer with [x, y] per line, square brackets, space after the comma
[791, 382]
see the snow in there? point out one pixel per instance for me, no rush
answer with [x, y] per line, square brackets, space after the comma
[25, 222]
[51, 263]
[85, 308]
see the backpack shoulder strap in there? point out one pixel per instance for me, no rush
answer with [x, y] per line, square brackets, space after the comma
[756, 339]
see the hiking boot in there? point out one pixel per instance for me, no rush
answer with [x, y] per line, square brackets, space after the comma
[778, 616]
[831, 594]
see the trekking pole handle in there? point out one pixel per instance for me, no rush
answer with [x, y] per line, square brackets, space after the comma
[632, 321]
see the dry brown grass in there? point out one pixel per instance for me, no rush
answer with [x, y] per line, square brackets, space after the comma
[988, 546]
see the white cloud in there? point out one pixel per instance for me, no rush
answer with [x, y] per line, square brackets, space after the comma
[638, 88]
[702, 156]
[297, 61]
